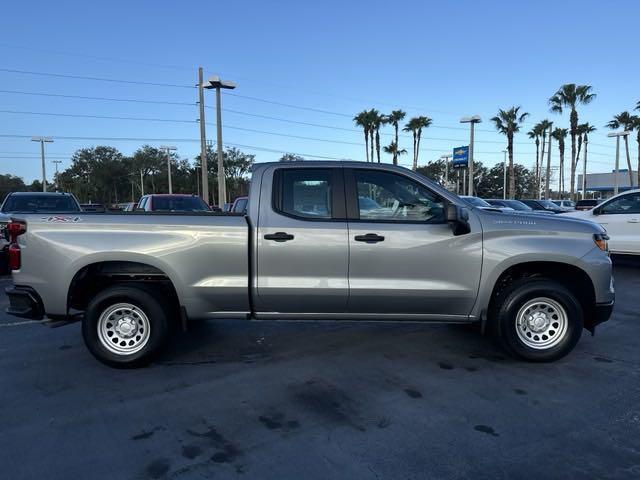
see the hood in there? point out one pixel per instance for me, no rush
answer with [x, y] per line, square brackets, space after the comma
[525, 220]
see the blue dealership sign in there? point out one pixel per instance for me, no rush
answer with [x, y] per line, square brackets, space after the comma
[461, 157]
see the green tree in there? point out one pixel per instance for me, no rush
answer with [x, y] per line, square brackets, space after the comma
[569, 96]
[534, 134]
[10, 183]
[491, 185]
[636, 127]
[543, 126]
[560, 134]
[290, 157]
[415, 126]
[508, 123]
[394, 118]
[377, 120]
[363, 120]
[625, 121]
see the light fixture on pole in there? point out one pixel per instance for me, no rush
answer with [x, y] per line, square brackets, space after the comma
[169, 149]
[504, 175]
[472, 121]
[217, 83]
[42, 141]
[615, 175]
[56, 162]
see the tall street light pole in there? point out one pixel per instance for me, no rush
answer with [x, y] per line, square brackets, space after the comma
[42, 141]
[584, 168]
[217, 83]
[615, 175]
[548, 186]
[203, 139]
[504, 175]
[169, 149]
[446, 169]
[56, 162]
[471, 121]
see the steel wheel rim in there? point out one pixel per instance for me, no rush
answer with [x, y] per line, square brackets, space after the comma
[541, 323]
[123, 329]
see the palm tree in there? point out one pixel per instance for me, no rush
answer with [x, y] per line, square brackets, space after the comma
[362, 120]
[508, 122]
[394, 118]
[542, 127]
[636, 126]
[392, 148]
[586, 129]
[625, 121]
[570, 96]
[559, 134]
[534, 134]
[415, 126]
[377, 120]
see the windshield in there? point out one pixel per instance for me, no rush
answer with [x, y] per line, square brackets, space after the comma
[518, 205]
[548, 204]
[40, 203]
[179, 204]
[476, 202]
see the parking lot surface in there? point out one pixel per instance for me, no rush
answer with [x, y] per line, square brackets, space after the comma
[234, 399]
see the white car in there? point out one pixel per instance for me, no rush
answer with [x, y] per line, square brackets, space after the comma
[620, 215]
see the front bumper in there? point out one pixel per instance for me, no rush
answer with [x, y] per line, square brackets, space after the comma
[602, 313]
[24, 302]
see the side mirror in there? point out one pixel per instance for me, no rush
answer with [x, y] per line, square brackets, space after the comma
[458, 219]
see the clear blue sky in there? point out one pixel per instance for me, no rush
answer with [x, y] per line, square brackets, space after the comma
[441, 59]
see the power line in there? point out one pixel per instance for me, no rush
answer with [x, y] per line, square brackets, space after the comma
[108, 99]
[99, 79]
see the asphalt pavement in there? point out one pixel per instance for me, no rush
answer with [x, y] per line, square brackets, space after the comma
[279, 400]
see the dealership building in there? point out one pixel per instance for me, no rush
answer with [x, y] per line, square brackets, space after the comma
[602, 184]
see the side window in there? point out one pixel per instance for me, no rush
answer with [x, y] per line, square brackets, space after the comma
[304, 193]
[391, 197]
[142, 203]
[626, 204]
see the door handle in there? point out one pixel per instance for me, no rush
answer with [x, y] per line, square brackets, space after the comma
[278, 237]
[633, 220]
[369, 238]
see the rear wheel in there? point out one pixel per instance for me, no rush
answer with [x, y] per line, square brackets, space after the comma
[537, 319]
[125, 326]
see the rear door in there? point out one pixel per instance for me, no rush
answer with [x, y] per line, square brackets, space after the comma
[621, 217]
[404, 258]
[302, 244]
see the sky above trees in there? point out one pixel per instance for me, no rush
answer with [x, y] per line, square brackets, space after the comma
[329, 60]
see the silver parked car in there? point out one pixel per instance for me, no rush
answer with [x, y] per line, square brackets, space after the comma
[321, 240]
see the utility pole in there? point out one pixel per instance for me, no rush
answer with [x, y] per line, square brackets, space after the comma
[42, 141]
[56, 162]
[504, 176]
[203, 139]
[169, 149]
[472, 121]
[446, 168]
[141, 184]
[217, 83]
[584, 168]
[547, 193]
[615, 176]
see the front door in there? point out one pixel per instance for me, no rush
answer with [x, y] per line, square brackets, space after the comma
[621, 218]
[302, 243]
[404, 258]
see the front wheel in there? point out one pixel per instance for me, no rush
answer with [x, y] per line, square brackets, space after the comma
[538, 319]
[125, 326]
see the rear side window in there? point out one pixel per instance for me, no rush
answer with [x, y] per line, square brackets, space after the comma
[179, 204]
[304, 193]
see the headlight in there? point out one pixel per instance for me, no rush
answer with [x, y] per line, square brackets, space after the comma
[601, 240]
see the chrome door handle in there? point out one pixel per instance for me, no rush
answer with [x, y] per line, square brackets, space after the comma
[633, 220]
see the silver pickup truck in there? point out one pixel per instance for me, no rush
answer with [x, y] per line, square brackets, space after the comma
[320, 241]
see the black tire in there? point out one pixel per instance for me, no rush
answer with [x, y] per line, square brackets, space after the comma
[504, 313]
[153, 312]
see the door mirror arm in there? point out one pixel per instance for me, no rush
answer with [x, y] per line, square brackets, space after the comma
[458, 219]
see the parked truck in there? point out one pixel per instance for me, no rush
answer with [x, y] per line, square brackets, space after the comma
[320, 241]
